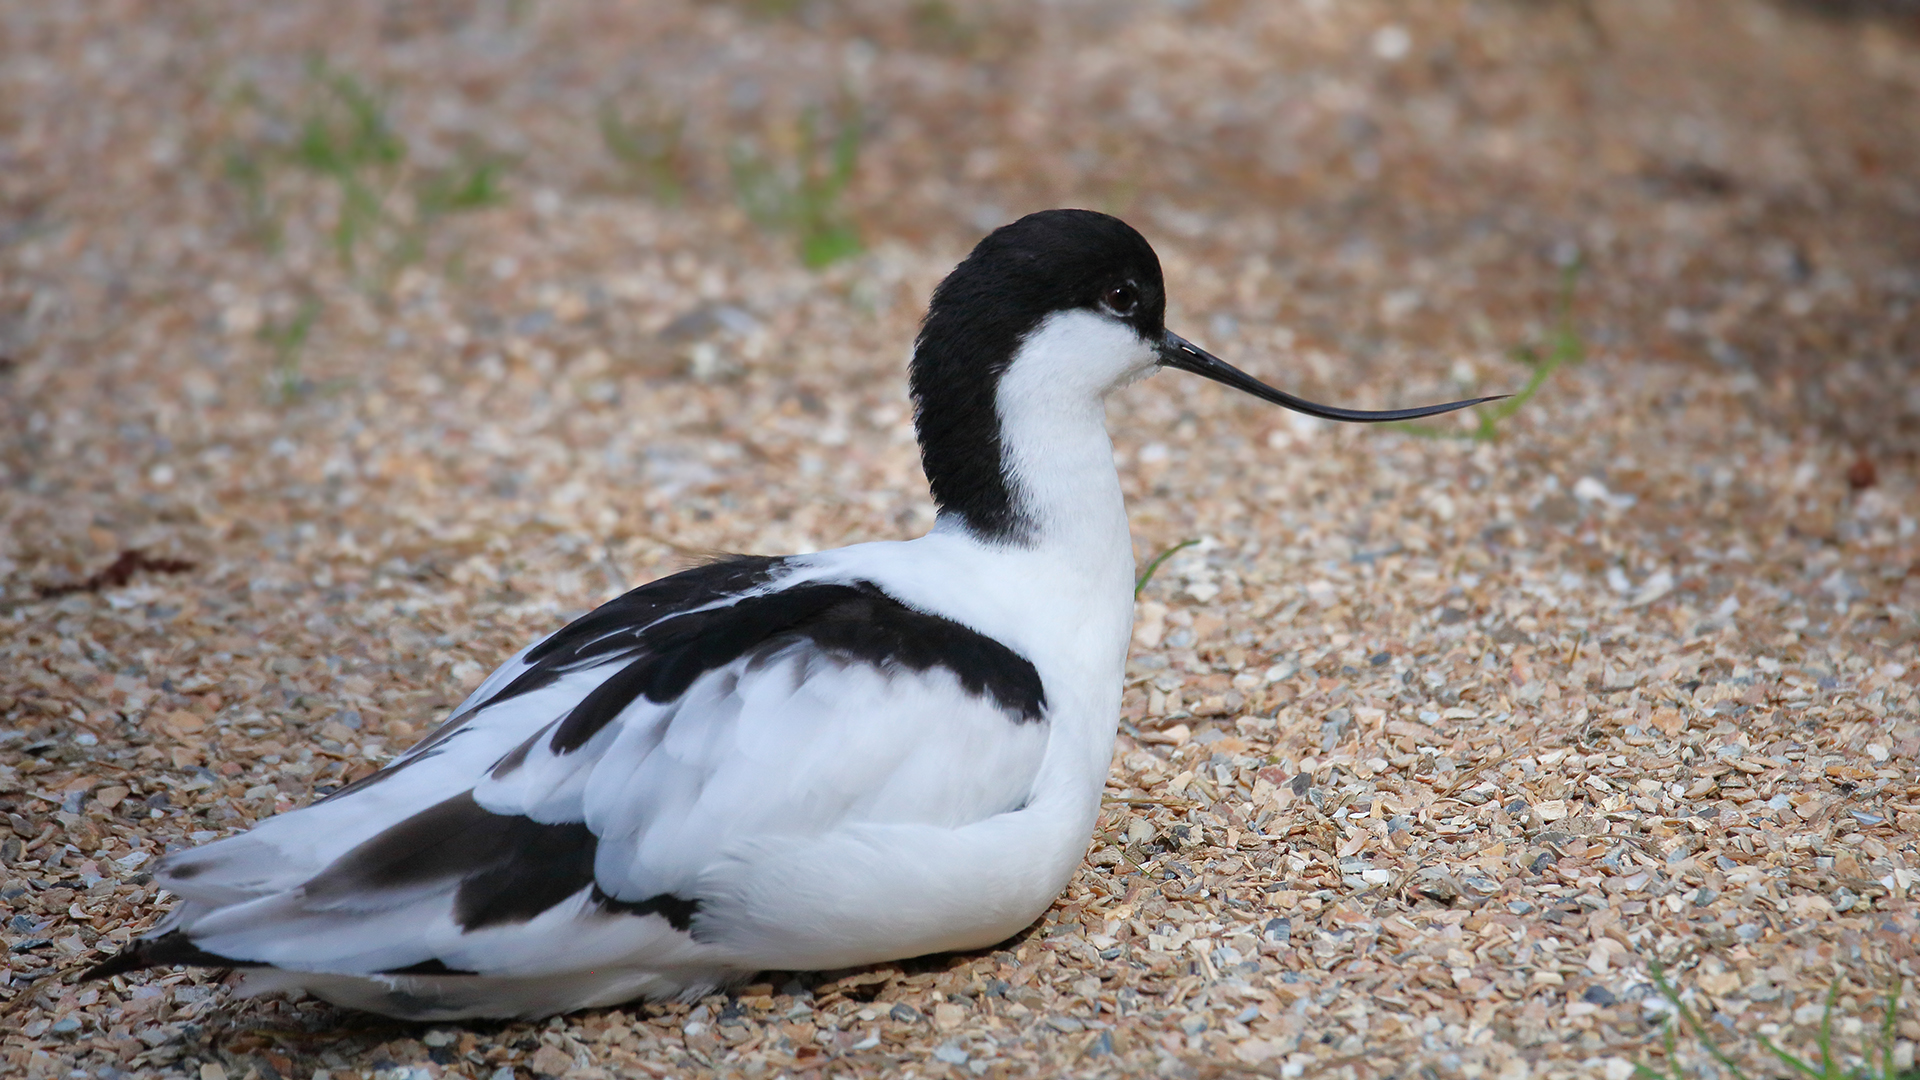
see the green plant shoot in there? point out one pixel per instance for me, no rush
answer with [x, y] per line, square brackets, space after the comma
[1153, 567]
[804, 197]
[1564, 346]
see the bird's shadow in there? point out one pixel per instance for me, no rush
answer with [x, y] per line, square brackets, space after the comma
[285, 1037]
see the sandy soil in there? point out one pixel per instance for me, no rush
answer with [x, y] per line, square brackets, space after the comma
[1433, 747]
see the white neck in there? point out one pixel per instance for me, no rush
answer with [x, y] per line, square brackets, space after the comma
[1060, 461]
[1055, 450]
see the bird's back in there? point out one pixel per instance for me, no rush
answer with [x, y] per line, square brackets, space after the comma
[758, 763]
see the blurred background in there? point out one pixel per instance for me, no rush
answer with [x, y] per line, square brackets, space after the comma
[346, 347]
[1734, 181]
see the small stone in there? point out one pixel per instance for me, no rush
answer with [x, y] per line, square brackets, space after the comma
[551, 1060]
[181, 723]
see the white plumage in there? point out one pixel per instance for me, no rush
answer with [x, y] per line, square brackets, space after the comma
[780, 790]
[814, 762]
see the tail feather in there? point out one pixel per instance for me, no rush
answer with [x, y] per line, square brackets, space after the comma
[168, 949]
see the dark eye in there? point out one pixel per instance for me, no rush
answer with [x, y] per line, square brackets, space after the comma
[1122, 299]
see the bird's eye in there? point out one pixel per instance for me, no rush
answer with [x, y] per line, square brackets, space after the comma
[1122, 299]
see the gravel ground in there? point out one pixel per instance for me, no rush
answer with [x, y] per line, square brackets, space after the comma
[1433, 747]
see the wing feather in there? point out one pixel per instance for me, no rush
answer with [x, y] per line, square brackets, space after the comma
[604, 798]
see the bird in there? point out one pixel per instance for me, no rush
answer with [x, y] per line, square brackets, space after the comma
[802, 763]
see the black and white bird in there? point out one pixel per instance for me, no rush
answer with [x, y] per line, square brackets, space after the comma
[800, 763]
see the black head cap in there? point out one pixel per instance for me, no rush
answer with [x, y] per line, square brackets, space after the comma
[1055, 260]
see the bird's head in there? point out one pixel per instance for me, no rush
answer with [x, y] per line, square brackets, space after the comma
[1055, 310]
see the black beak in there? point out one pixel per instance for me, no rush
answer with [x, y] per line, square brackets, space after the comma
[1178, 352]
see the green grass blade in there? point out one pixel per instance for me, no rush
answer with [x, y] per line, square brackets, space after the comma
[1888, 1029]
[475, 186]
[829, 245]
[1146, 575]
[1673, 1049]
[287, 342]
[1643, 1072]
[372, 140]
[1568, 347]
[1828, 1066]
[1672, 1043]
[646, 148]
[1693, 1023]
[1564, 346]
[1789, 1060]
[802, 196]
[1824, 1040]
[846, 152]
[758, 190]
[246, 171]
[316, 149]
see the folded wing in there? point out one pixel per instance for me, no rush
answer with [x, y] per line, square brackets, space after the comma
[604, 798]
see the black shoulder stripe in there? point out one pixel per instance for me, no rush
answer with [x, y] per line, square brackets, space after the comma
[602, 704]
[603, 634]
[854, 622]
[880, 630]
[506, 868]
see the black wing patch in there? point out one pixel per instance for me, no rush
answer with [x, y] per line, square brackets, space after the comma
[509, 868]
[850, 621]
[604, 635]
[612, 630]
[167, 950]
[677, 910]
[435, 966]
